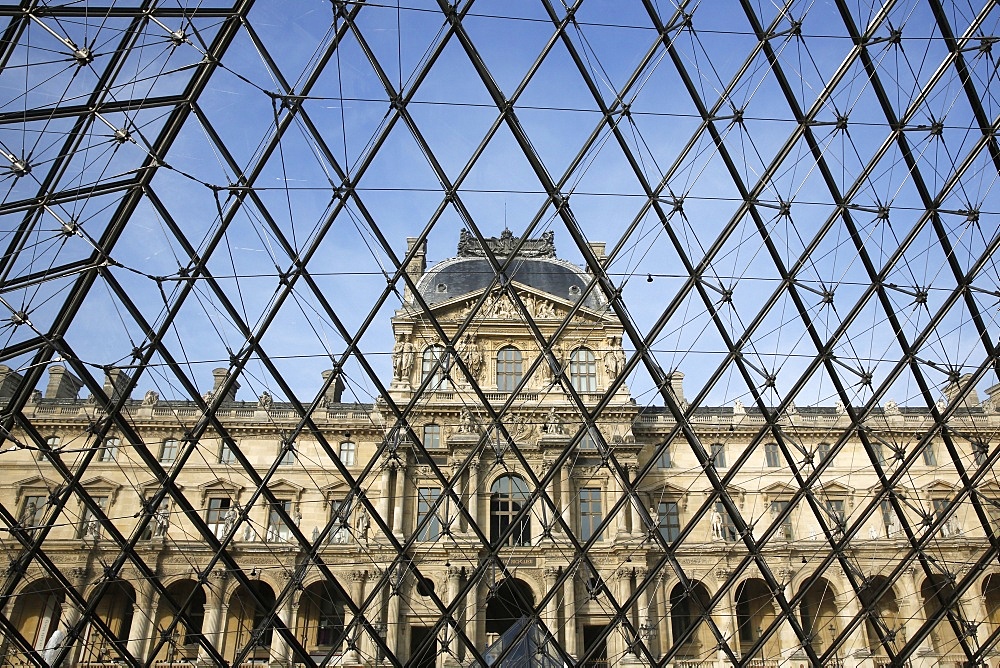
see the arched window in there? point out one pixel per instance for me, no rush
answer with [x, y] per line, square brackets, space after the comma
[508, 496]
[508, 369]
[583, 370]
[430, 368]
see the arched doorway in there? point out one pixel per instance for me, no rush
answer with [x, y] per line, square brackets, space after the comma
[182, 642]
[754, 615]
[818, 615]
[688, 620]
[991, 595]
[323, 614]
[115, 610]
[36, 615]
[511, 600]
[884, 617]
[508, 496]
[248, 624]
[934, 590]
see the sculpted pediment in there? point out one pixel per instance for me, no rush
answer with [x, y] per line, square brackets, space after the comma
[539, 305]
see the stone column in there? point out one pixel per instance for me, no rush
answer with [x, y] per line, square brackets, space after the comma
[567, 495]
[393, 622]
[356, 591]
[279, 651]
[142, 614]
[617, 649]
[399, 498]
[448, 636]
[790, 644]
[548, 512]
[570, 610]
[552, 607]
[474, 493]
[617, 524]
[215, 615]
[912, 615]
[383, 501]
[726, 619]
[634, 502]
[473, 618]
[644, 625]
[855, 649]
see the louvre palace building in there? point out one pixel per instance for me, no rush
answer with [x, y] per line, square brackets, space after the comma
[513, 504]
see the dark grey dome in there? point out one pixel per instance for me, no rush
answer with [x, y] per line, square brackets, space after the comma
[466, 275]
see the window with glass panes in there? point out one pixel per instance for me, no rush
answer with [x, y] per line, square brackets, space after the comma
[340, 516]
[215, 515]
[930, 458]
[109, 453]
[331, 620]
[348, 453]
[287, 454]
[588, 441]
[785, 530]
[823, 450]
[663, 461]
[53, 443]
[979, 452]
[719, 455]
[432, 436]
[771, 456]
[226, 455]
[434, 365]
[168, 452]
[590, 511]
[728, 528]
[835, 509]
[669, 518]
[583, 370]
[508, 497]
[508, 369]
[426, 498]
[90, 525]
[277, 529]
[33, 510]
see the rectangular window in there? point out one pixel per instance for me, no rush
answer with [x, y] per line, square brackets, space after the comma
[226, 455]
[218, 515]
[168, 453]
[426, 498]
[669, 518]
[348, 453]
[53, 442]
[587, 441]
[835, 509]
[771, 456]
[590, 512]
[719, 455]
[728, 529]
[432, 436]
[277, 530]
[33, 510]
[109, 453]
[979, 452]
[90, 525]
[664, 461]
[823, 451]
[879, 453]
[331, 621]
[287, 451]
[930, 459]
[940, 507]
[785, 530]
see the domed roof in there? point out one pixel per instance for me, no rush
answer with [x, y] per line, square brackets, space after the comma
[535, 266]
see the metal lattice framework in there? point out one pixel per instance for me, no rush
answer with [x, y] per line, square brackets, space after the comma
[799, 209]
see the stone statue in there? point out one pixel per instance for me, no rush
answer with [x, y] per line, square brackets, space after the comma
[472, 354]
[467, 423]
[402, 358]
[891, 408]
[315, 534]
[54, 646]
[362, 524]
[739, 408]
[151, 399]
[30, 510]
[614, 357]
[228, 520]
[265, 401]
[553, 425]
[717, 533]
[161, 520]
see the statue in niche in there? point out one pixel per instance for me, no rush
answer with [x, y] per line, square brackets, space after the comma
[161, 522]
[228, 520]
[402, 358]
[362, 524]
[151, 398]
[553, 425]
[471, 353]
[550, 374]
[717, 533]
[614, 357]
